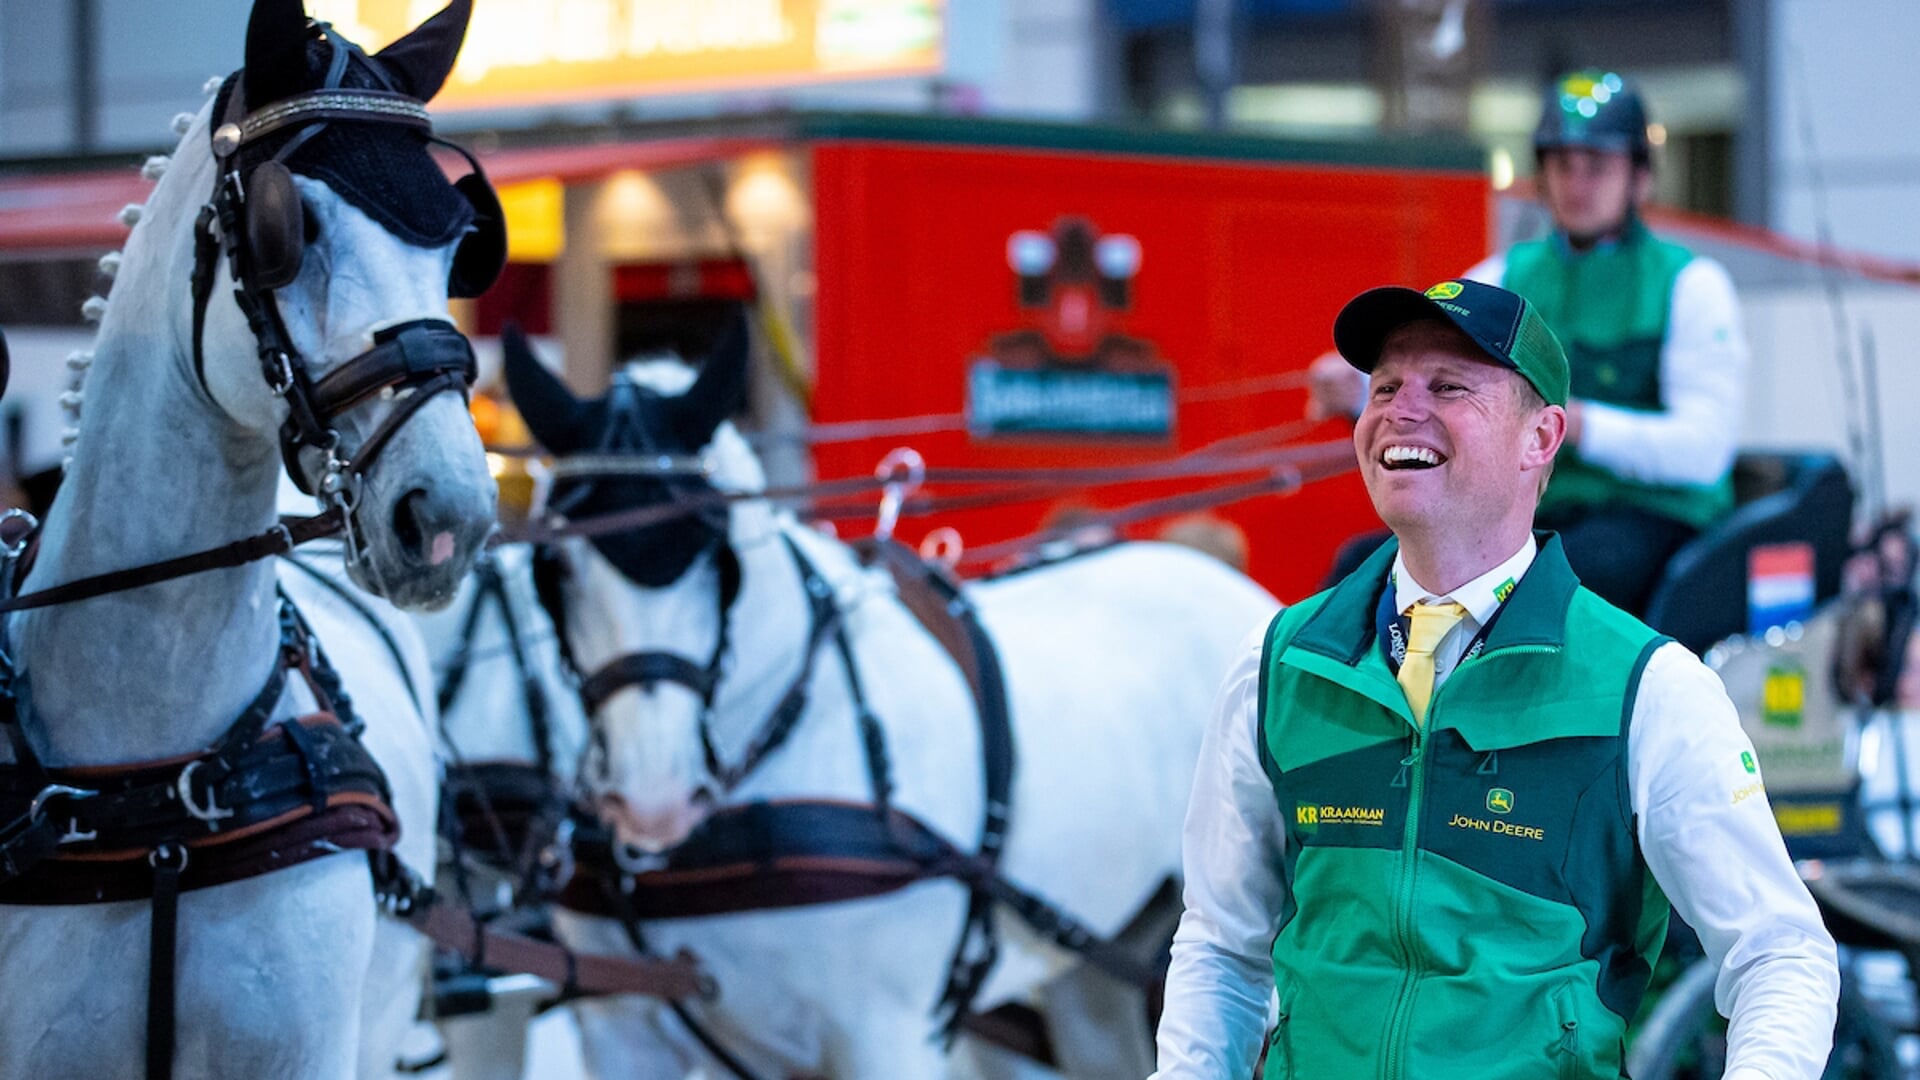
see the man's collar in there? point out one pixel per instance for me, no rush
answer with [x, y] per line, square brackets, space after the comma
[1536, 613]
[1632, 231]
[1481, 597]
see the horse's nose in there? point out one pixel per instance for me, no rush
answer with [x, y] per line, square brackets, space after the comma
[427, 526]
[654, 828]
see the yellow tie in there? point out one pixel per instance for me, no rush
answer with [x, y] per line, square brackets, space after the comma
[1427, 624]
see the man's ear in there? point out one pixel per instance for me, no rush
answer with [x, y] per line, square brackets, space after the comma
[1546, 431]
[1642, 184]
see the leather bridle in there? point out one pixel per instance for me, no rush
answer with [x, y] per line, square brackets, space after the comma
[260, 233]
[685, 482]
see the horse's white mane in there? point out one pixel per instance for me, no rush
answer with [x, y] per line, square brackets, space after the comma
[94, 309]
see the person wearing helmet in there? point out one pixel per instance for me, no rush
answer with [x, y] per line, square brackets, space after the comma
[1653, 334]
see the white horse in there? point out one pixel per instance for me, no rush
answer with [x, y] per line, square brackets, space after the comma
[1110, 660]
[292, 973]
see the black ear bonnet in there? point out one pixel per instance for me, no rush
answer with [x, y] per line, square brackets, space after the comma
[383, 170]
[635, 424]
[635, 421]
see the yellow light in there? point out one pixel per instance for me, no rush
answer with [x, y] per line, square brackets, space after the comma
[633, 218]
[763, 198]
[486, 419]
[1500, 167]
[536, 219]
[1657, 134]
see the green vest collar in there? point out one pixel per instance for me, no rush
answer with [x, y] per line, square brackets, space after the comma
[1632, 233]
[1535, 615]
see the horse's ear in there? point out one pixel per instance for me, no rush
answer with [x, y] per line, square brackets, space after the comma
[421, 61]
[552, 413]
[276, 52]
[720, 391]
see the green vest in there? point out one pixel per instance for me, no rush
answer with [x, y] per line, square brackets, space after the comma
[1469, 902]
[1610, 308]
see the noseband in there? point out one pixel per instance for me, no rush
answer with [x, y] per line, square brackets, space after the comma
[647, 669]
[258, 222]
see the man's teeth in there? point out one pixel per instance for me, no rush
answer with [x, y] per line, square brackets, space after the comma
[1410, 455]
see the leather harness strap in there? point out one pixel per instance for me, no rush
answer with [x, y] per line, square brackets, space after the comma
[266, 796]
[577, 974]
[279, 540]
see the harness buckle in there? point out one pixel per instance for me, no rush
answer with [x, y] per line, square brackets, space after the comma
[636, 860]
[555, 865]
[212, 811]
[168, 856]
[279, 371]
[73, 835]
[36, 810]
[21, 526]
[943, 547]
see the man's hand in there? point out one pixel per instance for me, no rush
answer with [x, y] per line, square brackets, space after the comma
[1334, 388]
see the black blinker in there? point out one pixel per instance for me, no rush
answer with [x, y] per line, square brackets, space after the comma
[276, 226]
[483, 251]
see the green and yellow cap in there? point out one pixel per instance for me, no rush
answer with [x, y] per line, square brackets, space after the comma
[1507, 328]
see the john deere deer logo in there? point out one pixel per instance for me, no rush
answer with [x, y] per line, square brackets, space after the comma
[1500, 801]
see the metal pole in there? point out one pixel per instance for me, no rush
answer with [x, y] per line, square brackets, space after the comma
[85, 71]
[1213, 57]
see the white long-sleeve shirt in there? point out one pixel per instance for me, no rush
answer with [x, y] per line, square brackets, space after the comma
[1704, 826]
[1703, 379]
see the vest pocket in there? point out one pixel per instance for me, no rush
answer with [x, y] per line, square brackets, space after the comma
[1566, 1049]
[1280, 1043]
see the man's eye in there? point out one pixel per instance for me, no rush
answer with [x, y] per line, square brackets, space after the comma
[1384, 389]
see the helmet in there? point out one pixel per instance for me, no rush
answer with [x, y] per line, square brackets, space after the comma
[1594, 109]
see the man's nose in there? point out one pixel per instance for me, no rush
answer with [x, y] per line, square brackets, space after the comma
[1409, 405]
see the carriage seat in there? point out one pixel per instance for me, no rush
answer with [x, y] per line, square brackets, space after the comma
[1780, 496]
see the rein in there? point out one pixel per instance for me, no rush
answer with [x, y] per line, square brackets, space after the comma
[1282, 466]
[288, 534]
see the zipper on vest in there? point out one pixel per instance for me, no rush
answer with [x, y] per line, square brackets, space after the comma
[1414, 769]
[1407, 763]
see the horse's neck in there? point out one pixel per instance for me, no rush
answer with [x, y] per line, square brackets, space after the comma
[489, 720]
[157, 472]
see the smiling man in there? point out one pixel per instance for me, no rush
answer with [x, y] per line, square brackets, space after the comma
[1443, 806]
[1657, 354]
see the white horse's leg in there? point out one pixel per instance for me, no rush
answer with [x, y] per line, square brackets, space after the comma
[491, 1045]
[267, 982]
[630, 1036]
[390, 1001]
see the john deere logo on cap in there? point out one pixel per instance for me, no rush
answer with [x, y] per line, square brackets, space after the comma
[1446, 290]
[1500, 801]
